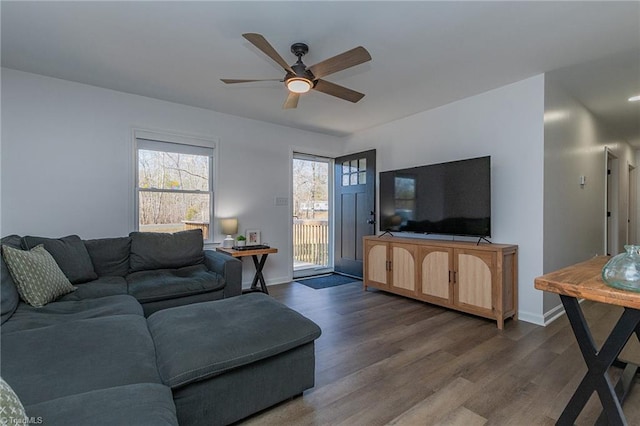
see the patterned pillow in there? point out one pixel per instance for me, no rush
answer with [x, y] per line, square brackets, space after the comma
[36, 274]
[12, 411]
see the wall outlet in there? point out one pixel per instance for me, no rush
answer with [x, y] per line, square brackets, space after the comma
[282, 201]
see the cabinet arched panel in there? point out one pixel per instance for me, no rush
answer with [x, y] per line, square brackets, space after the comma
[474, 281]
[435, 273]
[403, 267]
[376, 268]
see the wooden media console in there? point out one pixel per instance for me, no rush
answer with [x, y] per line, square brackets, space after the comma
[477, 279]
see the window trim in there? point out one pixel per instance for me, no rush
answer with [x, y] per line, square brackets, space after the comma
[179, 139]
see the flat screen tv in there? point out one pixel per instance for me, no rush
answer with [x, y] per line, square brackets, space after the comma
[451, 198]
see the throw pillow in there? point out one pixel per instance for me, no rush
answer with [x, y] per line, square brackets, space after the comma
[36, 274]
[151, 250]
[12, 411]
[9, 297]
[110, 256]
[70, 254]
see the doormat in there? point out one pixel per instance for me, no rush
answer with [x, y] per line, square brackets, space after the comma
[326, 281]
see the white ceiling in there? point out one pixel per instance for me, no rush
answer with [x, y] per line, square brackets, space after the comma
[604, 85]
[425, 54]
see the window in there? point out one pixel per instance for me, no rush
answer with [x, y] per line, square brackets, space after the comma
[354, 172]
[174, 186]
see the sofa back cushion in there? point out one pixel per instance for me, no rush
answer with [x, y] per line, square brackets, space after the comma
[110, 256]
[69, 253]
[151, 250]
[8, 292]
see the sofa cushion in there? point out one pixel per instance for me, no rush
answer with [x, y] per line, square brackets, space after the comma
[70, 254]
[78, 356]
[247, 329]
[110, 256]
[139, 404]
[27, 317]
[151, 250]
[36, 274]
[102, 287]
[9, 297]
[11, 411]
[161, 284]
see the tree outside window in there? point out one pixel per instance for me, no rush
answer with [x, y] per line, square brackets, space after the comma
[174, 188]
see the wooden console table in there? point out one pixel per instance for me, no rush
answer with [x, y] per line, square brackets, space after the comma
[583, 281]
[258, 263]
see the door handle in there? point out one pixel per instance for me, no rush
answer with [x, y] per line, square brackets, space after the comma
[371, 221]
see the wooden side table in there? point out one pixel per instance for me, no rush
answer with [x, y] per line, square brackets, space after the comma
[258, 263]
[583, 281]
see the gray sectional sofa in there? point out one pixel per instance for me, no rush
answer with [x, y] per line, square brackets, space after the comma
[151, 336]
[159, 270]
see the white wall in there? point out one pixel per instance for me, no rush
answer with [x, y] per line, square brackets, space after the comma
[506, 123]
[67, 162]
[574, 221]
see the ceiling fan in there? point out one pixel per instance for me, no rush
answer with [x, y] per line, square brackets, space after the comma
[300, 79]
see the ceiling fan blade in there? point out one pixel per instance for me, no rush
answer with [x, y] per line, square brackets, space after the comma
[338, 91]
[292, 101]
[261, 43]
[345, 60]
[233, 81]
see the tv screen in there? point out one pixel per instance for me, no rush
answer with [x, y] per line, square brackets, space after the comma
[451, 198]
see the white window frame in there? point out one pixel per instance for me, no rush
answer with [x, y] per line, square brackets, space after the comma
[170, 142]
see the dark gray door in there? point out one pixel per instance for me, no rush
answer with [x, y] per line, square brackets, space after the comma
[355, 202]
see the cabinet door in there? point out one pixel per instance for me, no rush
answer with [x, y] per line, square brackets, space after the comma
[376, 265]
[435, 274]
[403, 268]
[475, 273]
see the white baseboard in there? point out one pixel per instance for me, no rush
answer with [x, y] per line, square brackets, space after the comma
[544, 319]
[536, 319]
[553, 314]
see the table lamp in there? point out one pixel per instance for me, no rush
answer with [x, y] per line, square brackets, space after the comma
[229, 226]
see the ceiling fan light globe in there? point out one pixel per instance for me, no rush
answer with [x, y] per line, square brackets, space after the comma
[299, 85]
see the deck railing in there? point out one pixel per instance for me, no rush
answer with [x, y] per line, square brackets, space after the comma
[311, 241]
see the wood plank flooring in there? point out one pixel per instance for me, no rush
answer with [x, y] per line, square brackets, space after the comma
[384, 359]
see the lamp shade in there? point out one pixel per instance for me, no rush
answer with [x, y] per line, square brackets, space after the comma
[229, 226]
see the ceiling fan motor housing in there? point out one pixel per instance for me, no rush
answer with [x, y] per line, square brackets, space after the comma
[299, 49]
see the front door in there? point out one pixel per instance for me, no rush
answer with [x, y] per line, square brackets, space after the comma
[355, 201]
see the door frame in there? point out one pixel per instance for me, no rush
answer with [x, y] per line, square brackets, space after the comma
[632, 204]
[305, 153]
[611, 202]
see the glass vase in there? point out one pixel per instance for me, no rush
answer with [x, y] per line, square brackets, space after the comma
[623, 271]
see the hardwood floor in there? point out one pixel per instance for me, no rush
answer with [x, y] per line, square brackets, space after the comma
[384, 359]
